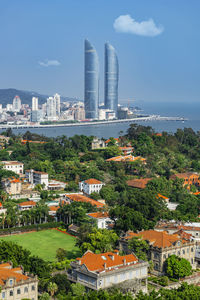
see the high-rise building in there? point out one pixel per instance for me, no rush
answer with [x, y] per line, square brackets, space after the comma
[34, 103]
[111, 78]
[51, 109]
[16, 104]
[91, 81]
[57, 99]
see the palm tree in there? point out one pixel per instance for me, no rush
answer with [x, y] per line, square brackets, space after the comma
[3, 218]
[52, 288]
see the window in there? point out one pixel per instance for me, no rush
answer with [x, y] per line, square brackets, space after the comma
[197, 233]
[11, 293]
[11, 282]
[192, 250]
[18, 291]
[3, 295]
[179, 253]
[187, 250]
[26, 289]
[183, 251]
[191, 260]
[33, 288]
[164, 256]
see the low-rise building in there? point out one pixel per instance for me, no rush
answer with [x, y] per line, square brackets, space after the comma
[139, 183]
[82, 198]
[56, 185]
[162, 245]
[36, 177]
[14, 166]
[15, 285]
[189, 178]
[126, 150]
[12, 186]
[90, 186]
[102, 219]
[26, 205]
[104, 270]
[116, 141]
[98, 143]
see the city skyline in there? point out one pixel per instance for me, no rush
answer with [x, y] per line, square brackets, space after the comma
[157, 45]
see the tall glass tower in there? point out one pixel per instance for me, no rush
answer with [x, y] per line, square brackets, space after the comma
[91, 81]
[111, 78]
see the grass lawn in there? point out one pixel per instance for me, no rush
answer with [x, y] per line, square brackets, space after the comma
[45, 243]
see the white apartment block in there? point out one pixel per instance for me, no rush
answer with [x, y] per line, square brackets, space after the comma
[34, 103]
[16, 104]
[90, 186]
[36, 177]
[102, 219]
[14, 166]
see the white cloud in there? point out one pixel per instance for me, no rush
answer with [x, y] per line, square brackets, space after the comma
[126, 24]
[48, 63]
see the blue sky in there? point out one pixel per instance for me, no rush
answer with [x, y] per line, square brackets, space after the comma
[42, 46]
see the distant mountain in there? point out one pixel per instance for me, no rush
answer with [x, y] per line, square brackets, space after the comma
[7, 95]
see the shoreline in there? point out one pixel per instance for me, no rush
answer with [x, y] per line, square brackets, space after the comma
[139, 119]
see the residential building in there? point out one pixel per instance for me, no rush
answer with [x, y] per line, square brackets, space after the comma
[116, 140]
[90, 186]
[126, 150]
[16, 104]
[14, 166]
[51, 109]
[98, 143]
[82, 198]
[105, 270]
[91, 97]
[111, 78]
[189, 178]
[34, 103]
[15, 285]
[12, 186]
[26, 205]
[161, 246]
[57, 100]
[54, 185]
[2, 209]
[79, 113]
[36, 177]
[139, 183]
[102, 219]
[36, 115]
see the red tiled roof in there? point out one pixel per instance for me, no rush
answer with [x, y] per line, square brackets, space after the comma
[183, 234]
[184, 175]
[126, 158]
[92, 181]
[99, 215]
[116, 139]
[160, 239]
[81, 198]
[103, 261]
[163, 197]
[27, 203]
[54, 208]
[6, 272]
[138, 183]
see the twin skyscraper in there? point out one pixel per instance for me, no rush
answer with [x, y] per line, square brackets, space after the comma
[92, 80]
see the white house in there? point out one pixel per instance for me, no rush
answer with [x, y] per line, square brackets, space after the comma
[102, 219]
[90, 186]
[14, 166]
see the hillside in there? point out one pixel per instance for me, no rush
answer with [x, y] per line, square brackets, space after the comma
[7, 95]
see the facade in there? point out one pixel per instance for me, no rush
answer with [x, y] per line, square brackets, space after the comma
[15, 285]
[91, 96]
[14, 166]
[102, 219]
[36, 116]
[104, 270]
[98, 143]
[111, 78]
[51, 109]
[36, 177]
[90, 186]
[12, 186]
[162, 245]
[57, 99]
[54, 185]
[16, 104]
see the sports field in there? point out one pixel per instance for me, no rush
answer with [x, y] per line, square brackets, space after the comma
[45, 243]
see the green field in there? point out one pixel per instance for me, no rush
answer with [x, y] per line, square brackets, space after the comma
[45, 243]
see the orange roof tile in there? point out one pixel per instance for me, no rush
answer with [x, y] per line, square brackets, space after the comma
[160, 239]
[103, 261]
[92, 181]
[81, 198]
[99, 215]
[138, 183]
[163, 197]
[116, 139]
[27, 203]
[123, 158]
[6, 272]
[186, 175]
[54, 208]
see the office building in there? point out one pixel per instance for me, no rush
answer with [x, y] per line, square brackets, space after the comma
[91, 81]
[34, 103]
[111, 78]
